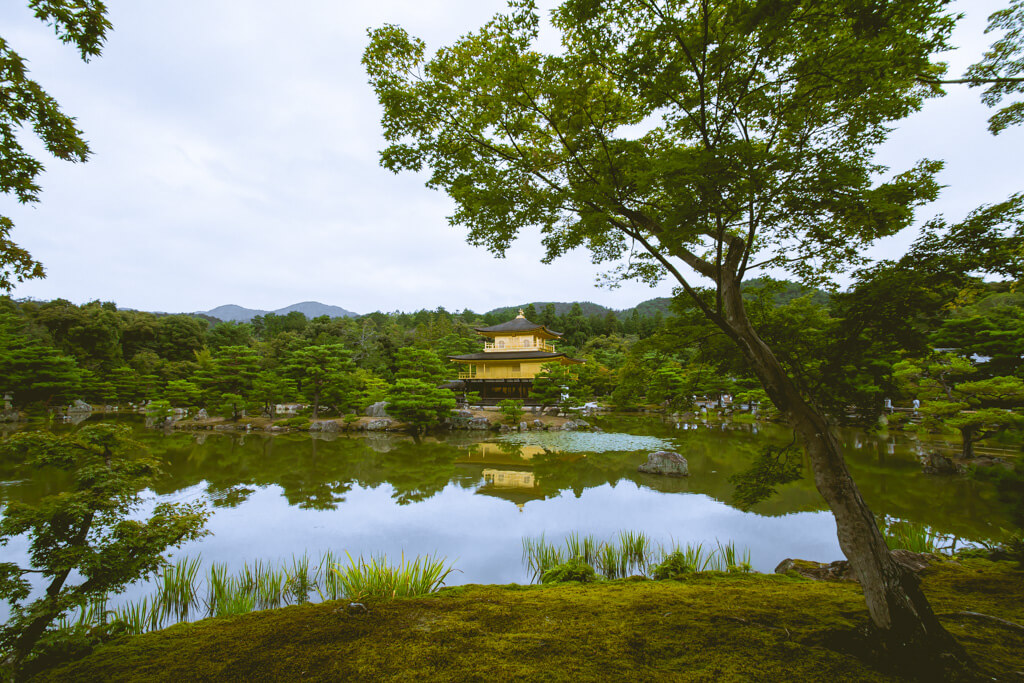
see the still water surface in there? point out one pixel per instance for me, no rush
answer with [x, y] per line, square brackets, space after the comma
[472, 498]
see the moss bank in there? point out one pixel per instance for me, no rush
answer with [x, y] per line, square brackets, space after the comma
[704, 627]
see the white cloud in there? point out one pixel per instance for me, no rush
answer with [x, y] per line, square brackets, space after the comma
[236, 162]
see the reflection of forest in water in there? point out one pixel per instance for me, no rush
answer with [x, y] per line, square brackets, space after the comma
[316, 472]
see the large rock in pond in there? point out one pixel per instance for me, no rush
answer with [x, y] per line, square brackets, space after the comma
[667, 463]
[325, 426]
[479, 423]
[378, 409]
[378, 425]
[79, 406]
[933, 463]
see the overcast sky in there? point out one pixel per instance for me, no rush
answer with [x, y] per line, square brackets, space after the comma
[235, 161]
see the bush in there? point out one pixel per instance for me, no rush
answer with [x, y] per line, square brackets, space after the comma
[675, 564]
[511, 410]
[573, 570]
[298, 421]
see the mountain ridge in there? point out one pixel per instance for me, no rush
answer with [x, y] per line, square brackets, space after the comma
[310, 309]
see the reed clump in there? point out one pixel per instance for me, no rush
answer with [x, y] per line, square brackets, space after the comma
[630, 553]
[182, 594]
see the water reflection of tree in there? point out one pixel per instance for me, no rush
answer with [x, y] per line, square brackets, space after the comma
[318, 474]
[418, 471]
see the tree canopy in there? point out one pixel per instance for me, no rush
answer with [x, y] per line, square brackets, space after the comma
[82, 23]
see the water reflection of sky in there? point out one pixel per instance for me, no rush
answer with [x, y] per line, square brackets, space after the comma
[472, 499]
[483, 535]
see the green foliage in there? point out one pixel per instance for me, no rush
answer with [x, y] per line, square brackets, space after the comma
[904, 535]
[773, 467]
[419, 403]
[297, 421]
[182, 393]
[631, 627]
[551, 383]
[159, 411]
[419, 364]
[377, 578]
[1001, 63]
[90, 529]
[979, 409]
[1009, 486]
[679, 562]
[511, 410]
[325, 374]
[26, 105]
[576, 570]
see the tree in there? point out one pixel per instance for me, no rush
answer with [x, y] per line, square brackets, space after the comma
[979, 409]
[25, 104]
[550, 384]
[419, 403]
[229, 375]
[512, 410]
[715, 137]
[419, 364]
[270, 388]
[1001, 67]
[32, 371]
[322, 369]
[182, 393]
[91, 529]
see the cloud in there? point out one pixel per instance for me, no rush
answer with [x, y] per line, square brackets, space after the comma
[236, 162]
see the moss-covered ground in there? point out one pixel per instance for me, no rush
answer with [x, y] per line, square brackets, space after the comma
[712, 627]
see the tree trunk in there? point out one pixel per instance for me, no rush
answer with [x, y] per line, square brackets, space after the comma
[968, 436]
[50, 609]
[897, 606]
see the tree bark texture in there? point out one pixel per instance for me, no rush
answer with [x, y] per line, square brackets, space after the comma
[896, 604]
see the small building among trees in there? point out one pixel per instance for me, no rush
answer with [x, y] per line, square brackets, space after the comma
[515, 355]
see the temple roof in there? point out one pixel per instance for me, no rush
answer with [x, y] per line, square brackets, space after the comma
[514, 355]
[517, 324]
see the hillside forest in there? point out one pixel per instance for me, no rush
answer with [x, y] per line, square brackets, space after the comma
[952, 342]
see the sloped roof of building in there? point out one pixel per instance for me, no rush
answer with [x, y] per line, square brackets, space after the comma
[517, 324]
[515, 355]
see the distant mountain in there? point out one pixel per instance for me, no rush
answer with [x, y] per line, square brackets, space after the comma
[561, 308]
[310, 309]
[315, 309]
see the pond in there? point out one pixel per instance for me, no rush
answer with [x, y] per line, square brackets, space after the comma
[472, 498]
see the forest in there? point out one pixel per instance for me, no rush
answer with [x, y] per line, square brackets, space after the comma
[954, 342]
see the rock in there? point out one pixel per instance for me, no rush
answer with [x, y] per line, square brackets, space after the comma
[939, 464]
[840, 570]
[986, 461]
[378, 409]
[666, 463]
[325, 426]
[537, 424]
[817, 571]
[504, 428]
[479, 423]
[552, 410]
[201, 415]
[523, 426]
[378, 425]
[79, 406]
[467, 414]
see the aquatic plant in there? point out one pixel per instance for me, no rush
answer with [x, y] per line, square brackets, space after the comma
[540, 556]
[299, 583]
[141, 616]
[177, 593]
[574, 570]
[375, 577]
[902, 535]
